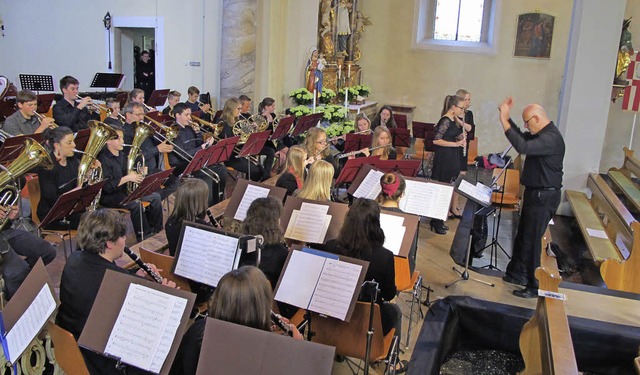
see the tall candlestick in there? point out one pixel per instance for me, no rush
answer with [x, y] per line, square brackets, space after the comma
[346, 96]
[314, 101]
[348, 71]
[339, 71]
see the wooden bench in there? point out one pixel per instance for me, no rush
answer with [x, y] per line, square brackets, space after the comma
[624, 275]
[621, 178]
[587, 217]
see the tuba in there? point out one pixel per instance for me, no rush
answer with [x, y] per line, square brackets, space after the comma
[33, 155]
[100, 134]
[141, 132]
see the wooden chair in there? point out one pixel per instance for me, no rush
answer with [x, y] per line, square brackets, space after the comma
[406, 282]
[510, 183]
[33, 186]
[67, 352]
[164, 263]
[472, 153]
[350, 338]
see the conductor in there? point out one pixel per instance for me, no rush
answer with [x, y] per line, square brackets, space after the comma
[542, 178]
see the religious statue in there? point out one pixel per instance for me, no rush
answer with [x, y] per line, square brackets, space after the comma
[625, 51]
[344, 26]
[315, 66]
[361, 22]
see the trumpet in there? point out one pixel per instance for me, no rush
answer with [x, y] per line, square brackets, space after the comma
[210, 111]
[108, 111]
[96, 107]
[41, 117]
[346, 155]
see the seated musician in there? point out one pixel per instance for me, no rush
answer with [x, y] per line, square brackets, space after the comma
[193, 103]
[362, 123]
[245, 102]
[189, 141]
[317, 186]
[229, 116]
[362, 237]
[173, 98]
[292, 178]
[315, 142]
[113, 111]
[20, 251]
[67, 112]
[114, 170]
[384, 117]
[381, 144]
[24, 120]
[136, 96]
[101, 238]
[244, 297]
[267, 109]
[392, 190]
[62, 178]
[153, 153]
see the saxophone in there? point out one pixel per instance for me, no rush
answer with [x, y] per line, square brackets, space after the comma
[141, 132]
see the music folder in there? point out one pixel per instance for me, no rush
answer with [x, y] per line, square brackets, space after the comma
[247, 350]
[137, 321]
[399, 231]
[72, 202]
[283, 128]
[407, 168]
[157, 98]
[312, 221]
[245, 193]
[81, 138]
[401, 137]
[254, 144]
[149, 185]
[28, 311]
[366, 184]
[476, 192]
[354, 142]
[321, 282]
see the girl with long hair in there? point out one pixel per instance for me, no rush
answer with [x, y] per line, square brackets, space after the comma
[318, 183]
[230, 115]
[292, 178]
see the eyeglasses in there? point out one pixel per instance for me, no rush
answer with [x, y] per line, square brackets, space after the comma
[459, 107]
[527, 121]
[322, 142]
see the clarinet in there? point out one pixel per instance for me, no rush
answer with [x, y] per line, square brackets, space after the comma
[213, 220]
[143, 265]
[277, 320]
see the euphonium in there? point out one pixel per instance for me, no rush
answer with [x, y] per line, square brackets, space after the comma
[32, 155]
[141, 132]
[100, 134]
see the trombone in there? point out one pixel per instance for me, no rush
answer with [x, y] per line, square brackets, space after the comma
[41, 117]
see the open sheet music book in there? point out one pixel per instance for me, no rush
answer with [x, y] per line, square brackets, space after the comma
[309, 223]
[205, 254]
[320, 282]
[370, 187]
[478, 193]
[146, 327]
[251, 194]
[394, 230]
[427, 199]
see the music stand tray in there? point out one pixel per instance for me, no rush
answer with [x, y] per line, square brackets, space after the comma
[254, 144]
[149, 185]
[422, 129]
[107, 80]
[157, 98]
[404, 167]
[400, 137]
[355, 142]
[36, 82]
[72, 202]
[283, 128]
[44, 102]
[13, 146]
[352, 167]
[305, 123]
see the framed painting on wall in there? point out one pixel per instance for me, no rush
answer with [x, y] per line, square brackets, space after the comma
[534, 35]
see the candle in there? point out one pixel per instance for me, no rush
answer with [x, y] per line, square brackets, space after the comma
[358, 110]
[348, 71]
[346, 96]
[339, 70]
[314, 101]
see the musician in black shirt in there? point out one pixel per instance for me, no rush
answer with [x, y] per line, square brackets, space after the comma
[173, 98]
[230, 114]
[66, 112]
[542, 178]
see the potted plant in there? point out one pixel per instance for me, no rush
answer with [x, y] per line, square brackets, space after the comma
[301, 96]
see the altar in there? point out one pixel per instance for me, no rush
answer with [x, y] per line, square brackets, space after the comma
[370, 108]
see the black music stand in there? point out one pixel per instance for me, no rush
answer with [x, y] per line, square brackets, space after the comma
[401, 120]
[305, 123]
[44, 102]
[407, 168]
[107, 80]
[400, 137]
[283, 128]
[352, 167]
[253, 146]
[421, 130]
[157, 98]
[149, 185]
[354, 142]
[216, 116]
[36, 82]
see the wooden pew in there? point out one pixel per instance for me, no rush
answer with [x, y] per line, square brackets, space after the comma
[621, 178]
[624, 275]
[600, 248]
[545, 340]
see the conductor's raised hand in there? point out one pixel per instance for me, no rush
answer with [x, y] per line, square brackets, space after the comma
[505, 109]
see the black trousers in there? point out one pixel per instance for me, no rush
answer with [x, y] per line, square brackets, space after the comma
[538, 208]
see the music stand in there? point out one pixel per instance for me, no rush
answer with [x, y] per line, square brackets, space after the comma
[13, 146]
[305, 123]
[401, 120]
[122, 98]
[283, 128]
[157, 98]
[44, 102]
[72, 202]
[216, 116]
[36, 82]
[253, 146]
[107, 80]
[354, 142]
[407, 168]
[352, 167]
[422, 130]
[81, 138]
[400, 137]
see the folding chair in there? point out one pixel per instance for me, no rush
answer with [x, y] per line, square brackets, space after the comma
[406, 282]
[67, 352]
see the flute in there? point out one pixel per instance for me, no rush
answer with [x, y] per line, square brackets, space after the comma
[277, 320]
[341, 156]
[155, 276]
[367, 131]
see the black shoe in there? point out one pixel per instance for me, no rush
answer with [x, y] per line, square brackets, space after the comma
[478, 255]
[454, 216]
[402, 366]
[513, 280]
[526, 293]
[445, 227]
[437, 228]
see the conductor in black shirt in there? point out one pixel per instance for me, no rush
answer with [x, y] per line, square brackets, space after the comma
[542, 178]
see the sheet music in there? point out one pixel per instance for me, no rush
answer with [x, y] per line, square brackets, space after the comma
[427, 199]
[251, 194]
[480, 192]
[369, 187]
[309, 224]
[145, 328]
[300, 279]
[335, 288]
[30, 323]
[394, 230]
[206, 256]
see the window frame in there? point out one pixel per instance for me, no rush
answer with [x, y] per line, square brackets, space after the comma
[424, 20]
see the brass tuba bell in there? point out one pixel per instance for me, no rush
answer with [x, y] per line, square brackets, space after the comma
[100, 134]
[142, 131]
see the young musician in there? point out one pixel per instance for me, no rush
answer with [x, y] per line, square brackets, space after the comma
[362, 122]
[62, 178]
[114, 170]
[67, 112]
[382, 139]
[267, 109]
[245, 101]
[318, 183]
[362, 237]
[24, 120]
[191, 204]
[244, 297]
[230, 114]
[101, 238]
[193, 102]
[173, 98]
[135, 95]
[187, 143]
[153, 153]
[466, 119]
[113, 106]
[315, 142]
[384, 117]
[292, 178]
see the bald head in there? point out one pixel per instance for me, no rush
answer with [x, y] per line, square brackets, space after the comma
[535, 118]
